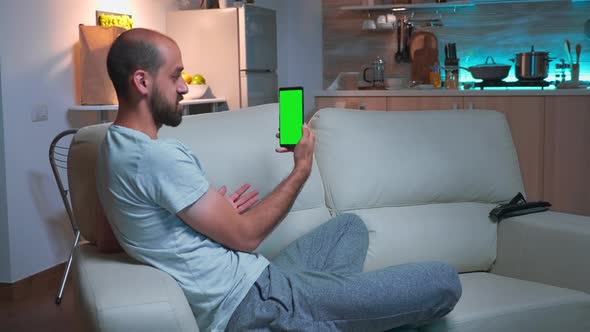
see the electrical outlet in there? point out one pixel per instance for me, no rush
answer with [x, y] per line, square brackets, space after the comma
[39, 113]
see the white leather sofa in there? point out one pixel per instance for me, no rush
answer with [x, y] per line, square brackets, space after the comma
[423, 182]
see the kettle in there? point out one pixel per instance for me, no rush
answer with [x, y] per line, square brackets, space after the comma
[378, 69]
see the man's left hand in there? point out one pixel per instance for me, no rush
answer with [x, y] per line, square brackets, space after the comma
[241, 204]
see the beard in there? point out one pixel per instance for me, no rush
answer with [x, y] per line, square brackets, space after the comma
[163, 112]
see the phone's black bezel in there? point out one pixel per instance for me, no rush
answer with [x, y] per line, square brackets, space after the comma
[302, 109]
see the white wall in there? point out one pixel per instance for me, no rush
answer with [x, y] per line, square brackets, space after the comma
[4, 240]
[37, 42]
[37, 46]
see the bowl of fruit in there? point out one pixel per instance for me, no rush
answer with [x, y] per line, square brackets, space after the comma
[197, 86]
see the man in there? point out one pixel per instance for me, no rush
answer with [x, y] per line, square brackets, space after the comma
[164, 213]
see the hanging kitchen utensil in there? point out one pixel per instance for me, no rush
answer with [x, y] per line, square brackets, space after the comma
[406, 53]
[398, 54]
[403, 36]
[404, 31]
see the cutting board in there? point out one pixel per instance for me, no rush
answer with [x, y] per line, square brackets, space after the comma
[422, 39]
[423, 54]
[423, 59]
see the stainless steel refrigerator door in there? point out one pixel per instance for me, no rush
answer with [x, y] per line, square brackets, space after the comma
[258, 88]
[258, 38]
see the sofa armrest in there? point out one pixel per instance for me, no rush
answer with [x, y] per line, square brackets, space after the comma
[548, 247]
[116, 293]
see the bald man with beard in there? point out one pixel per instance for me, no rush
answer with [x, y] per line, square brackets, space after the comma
[164, 213]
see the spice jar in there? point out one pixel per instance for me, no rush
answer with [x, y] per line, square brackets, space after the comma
[452, 74]
[434, 76]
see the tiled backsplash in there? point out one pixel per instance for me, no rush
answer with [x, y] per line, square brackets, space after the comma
[499, 30]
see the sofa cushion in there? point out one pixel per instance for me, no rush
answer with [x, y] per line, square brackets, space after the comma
[433, 232]
[236, 147]
[492, 303]
[379, 160]
[549, 247]
[82, 182]
[117, 293]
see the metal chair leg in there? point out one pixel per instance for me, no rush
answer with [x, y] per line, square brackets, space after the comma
[67, 271]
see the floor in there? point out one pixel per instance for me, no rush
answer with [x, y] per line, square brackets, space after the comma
[39, 312]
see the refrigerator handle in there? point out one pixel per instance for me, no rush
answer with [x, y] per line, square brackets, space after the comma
[257, 70]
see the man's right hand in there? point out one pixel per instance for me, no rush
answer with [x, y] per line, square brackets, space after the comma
[303, 151]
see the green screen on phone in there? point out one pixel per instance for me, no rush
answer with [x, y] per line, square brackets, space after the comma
[290, 115]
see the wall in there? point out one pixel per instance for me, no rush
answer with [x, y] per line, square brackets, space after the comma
[38, 57]
[304, 65]
[4, 239]
[37, 46]
[499, 30]
[299, 34]
[281, 8]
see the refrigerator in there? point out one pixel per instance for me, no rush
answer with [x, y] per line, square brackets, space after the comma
[235, 49]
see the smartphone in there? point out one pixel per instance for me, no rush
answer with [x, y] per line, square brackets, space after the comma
[290, 115]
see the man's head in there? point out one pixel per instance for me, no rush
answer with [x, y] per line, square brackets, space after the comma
[147, 65]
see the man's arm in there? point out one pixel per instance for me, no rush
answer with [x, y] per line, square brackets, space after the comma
[213, 216]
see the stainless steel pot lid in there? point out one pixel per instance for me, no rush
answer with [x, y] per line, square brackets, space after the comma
[533, 52]
[490, 65]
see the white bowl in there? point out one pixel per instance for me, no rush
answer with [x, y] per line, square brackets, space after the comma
[196, 91]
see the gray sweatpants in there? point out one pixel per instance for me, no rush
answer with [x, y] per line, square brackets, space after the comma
[317, 284]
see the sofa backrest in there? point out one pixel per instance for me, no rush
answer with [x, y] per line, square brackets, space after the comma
[423, 182]
[238, 147]
[234, 148]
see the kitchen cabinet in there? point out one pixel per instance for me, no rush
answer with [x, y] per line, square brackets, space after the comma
[526, 118]
[567, 153]
[359, 103]
[424, 103]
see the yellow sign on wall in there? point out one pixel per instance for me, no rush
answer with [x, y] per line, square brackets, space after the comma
[107, 19]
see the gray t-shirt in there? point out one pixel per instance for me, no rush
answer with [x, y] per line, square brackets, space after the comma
[142, 183]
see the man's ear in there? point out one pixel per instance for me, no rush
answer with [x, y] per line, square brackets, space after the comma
[141, 81]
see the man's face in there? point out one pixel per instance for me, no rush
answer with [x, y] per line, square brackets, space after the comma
[168, 88]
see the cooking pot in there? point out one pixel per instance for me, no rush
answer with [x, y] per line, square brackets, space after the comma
[488, 71]
[532, 66]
